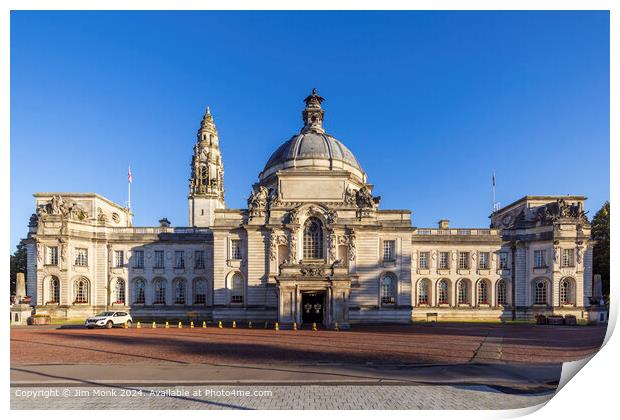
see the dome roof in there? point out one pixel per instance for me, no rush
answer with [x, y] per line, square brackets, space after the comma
[313, 148]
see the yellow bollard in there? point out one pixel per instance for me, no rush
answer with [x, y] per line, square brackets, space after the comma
[219, 324]
[234, 324]
[154, 325]
[138, 325]
[167, 324]
[277, 327]
[314, 326]
[191, 324]
[180, 325]
[336, 327]
[250, 324]
[125, 324]
[204, 324]
[294, 326]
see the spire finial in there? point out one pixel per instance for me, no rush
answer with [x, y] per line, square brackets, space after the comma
[313, 114]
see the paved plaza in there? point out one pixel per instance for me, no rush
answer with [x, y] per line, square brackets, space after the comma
[423, 366]
[317, 397]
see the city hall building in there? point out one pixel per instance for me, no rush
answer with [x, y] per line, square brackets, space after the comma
[313, 245]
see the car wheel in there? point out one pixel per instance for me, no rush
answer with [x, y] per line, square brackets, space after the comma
[109, 325]
[90, 327]
[128, 323]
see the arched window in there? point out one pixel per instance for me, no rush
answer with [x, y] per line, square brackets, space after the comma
[442, 293]
[200, 292]
[313, 239]
[540, 293]
[54, 290]
[501, 292]
[565, 292]
[423, 295]
[160, 291]
[463, 295]
[179, 292]
[119, 291]
[139, 287]
[388, 289]
[483, 293]
[238, 288]
[80, 289]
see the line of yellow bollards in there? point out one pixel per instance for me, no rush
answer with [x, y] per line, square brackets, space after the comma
[233, 325]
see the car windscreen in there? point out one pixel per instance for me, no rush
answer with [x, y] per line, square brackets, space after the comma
[106, 314]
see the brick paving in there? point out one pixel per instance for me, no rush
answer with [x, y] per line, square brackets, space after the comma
[412, 344]
[312, 397]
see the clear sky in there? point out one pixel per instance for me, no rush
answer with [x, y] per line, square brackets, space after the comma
[431, 103]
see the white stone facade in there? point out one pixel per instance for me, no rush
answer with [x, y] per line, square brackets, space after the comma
[312, 246]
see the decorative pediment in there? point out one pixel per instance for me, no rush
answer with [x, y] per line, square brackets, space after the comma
[65, 207]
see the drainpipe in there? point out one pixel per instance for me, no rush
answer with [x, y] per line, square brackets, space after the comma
[513, 274]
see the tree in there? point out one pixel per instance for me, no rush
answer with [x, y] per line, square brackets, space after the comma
[18, 264]
[600, 233]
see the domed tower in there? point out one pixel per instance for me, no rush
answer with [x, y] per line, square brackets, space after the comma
[312, 166]
[206, 185]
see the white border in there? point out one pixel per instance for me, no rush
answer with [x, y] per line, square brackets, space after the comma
[590, 394]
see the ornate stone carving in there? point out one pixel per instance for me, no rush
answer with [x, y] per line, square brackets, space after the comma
[292, 247]
[34, 220]
[101, 216]
[39, 251]
[331, 216]
[331, 246]
[350, 197]
[312, 271]
[275, 242]
[257, 202]
[352, 250]
[66, 208]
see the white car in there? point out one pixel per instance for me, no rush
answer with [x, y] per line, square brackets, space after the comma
[109, 320]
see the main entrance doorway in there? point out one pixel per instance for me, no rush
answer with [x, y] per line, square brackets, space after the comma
[312, 307]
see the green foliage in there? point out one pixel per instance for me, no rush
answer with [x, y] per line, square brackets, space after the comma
[18, 264]
[600, 233]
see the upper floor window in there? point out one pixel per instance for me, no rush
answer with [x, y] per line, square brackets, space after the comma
[540, 258]
[388, 289]
[179, 259]
[119, 258]
[138, 259]
[444, 260]
[52, 255]
[159, 259]
[568, 257]
[463, 260]
[503, 260]
[389, 250]
[199, 260]
[81, 257]
[235, 249]
[423, 260]
[483, 262]
[313, 239]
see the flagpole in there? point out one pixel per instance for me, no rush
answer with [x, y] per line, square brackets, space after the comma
[129, 179]
[494, 206]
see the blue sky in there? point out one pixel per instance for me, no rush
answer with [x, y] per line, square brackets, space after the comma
[431, 103]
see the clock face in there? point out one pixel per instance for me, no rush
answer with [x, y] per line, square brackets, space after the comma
[116, 218]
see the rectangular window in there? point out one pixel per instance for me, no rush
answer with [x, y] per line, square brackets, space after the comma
[503, 260]
[483, 263]
[81, 257]
[444, 260]
[199, 260]
[568, 257]
[389, 248]
[119, 258]
[424, 260]
[52, 255]
[235, 249]
[179, 259]
[159, 259]
[540, 258]
[138, 259]
[463, 260]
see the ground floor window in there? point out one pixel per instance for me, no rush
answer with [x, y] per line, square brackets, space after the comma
[179, 292]
[388, 289]
[423, 292]
[565, 292]
[119, 293]
[501, 292]
[238, 288]
[80, 288]
[540, 293]
[462, 298]
[160, 292]
[139, 291]
[442, 292]
[200, 292]
[483, 293]
[54, 290]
